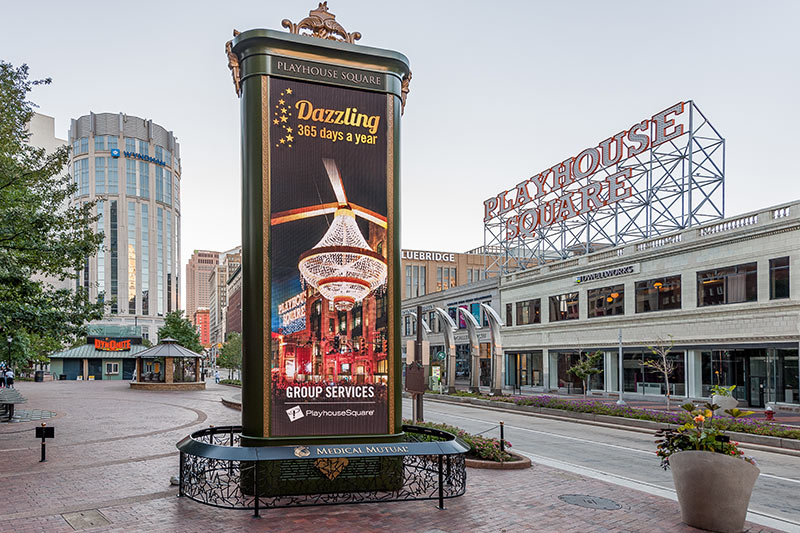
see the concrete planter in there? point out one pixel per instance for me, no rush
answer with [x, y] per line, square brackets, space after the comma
[713, 489]
[724, 402]
[519, 463]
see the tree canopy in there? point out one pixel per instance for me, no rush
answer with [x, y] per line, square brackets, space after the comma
[42, 236]
[230, 355]
[180, 329]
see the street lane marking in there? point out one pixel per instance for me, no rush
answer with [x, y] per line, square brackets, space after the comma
[645, 452]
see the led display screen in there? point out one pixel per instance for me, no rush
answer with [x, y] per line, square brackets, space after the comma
[328, 158]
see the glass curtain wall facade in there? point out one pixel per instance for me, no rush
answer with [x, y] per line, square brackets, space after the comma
[136, 271]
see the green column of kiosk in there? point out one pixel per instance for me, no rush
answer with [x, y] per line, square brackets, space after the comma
[320, 234]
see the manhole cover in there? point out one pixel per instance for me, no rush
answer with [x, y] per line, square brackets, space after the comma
[86, 519]
[590, 502]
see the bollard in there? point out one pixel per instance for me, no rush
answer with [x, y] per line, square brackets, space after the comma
[44, 458]
[502, 438]
[44, 432]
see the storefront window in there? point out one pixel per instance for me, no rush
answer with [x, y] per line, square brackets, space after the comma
[779, 278]
[524, 369]
[659, 294]
[727, 285]
[572, 383]
[564, 307]
[788, 377]
[642, 379]
[606, 301]
[529, 312]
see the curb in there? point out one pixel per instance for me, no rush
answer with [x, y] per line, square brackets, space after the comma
[233, 404]
[792, 446]
[520, 464]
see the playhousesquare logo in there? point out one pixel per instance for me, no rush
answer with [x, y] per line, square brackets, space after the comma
[295, 413]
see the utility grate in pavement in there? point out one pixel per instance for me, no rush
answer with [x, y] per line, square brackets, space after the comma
[86, 519]
[590, 502]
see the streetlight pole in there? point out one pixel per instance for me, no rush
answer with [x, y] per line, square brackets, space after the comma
[621, 380]
[418, 398]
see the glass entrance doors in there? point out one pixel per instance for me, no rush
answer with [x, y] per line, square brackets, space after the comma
[761, 375]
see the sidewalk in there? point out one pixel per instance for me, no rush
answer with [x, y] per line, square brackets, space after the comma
[784, 417]
[114, 452]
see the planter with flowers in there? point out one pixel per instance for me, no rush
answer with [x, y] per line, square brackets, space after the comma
[723, 398]
[713, 478]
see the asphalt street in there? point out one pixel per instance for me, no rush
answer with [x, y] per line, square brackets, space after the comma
[624, 457]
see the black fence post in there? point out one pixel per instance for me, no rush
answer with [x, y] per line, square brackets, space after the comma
[441, 483]
[449, 472]
[255, 489]
[502, 438]
[180, 474]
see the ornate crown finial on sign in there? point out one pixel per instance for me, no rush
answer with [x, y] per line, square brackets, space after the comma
[323, 25]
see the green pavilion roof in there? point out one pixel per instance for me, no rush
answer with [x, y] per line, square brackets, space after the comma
[88, 351]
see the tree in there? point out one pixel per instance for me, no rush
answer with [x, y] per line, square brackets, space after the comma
[41, 236]
[180, 329]
[230, 356]
[663, 364]
[586, 367]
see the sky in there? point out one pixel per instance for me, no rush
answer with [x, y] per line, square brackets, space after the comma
[500, 91]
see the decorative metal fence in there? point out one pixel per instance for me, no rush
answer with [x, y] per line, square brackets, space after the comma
[215, 470]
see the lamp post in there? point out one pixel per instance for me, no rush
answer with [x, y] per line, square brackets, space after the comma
[10, 339]
[621, 379]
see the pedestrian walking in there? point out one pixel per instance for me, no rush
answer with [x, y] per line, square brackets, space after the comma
[2, 376]
[216, 376]
[9, 378]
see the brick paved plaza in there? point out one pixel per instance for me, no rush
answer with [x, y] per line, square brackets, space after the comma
[114, 452]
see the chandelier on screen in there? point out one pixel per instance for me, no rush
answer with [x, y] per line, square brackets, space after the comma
[342, 266]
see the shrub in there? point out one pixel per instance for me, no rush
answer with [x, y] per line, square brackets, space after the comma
[235, 382]
[480, 447]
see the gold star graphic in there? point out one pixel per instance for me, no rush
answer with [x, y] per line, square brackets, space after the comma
[275, 121]
[289, 138]
[283, 119]
[288, 91]
[281, 102]
[283, 140]
[283, 110]
[288, 130]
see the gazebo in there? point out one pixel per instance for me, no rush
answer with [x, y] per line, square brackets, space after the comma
[168, 366]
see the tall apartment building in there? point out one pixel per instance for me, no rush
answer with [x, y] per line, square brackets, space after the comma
[198, 290]
[200, 320]
[132, 167]
[42, 130]
[230, 261]
[233, 311]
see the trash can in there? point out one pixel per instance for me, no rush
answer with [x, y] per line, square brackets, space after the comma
[38, 376]
[62, 377]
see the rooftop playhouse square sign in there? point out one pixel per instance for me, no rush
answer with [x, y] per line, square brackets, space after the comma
[567, 189]
[661, 174]
[321, 254]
